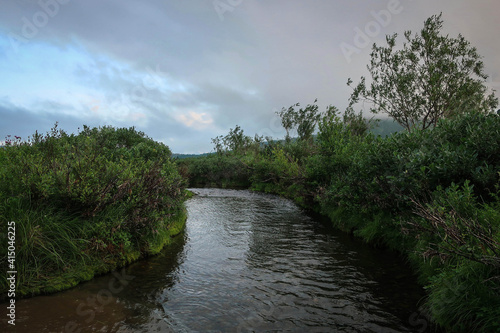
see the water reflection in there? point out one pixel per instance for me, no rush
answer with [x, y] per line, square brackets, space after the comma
[247, 262]
[123, 301]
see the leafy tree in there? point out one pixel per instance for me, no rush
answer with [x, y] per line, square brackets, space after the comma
[235, 141]
[356, 123]
[431, 77]
[218, 144]
[287, 119]
[303, 119]
[306, 121]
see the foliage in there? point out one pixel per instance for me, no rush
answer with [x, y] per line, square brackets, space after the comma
[465, 298]
[96, 198]
[234, 141]
[460, 226]
[279, 169]
[386, 173]
[429, 78]
[304, 120]
[431, 192]
[226, 170]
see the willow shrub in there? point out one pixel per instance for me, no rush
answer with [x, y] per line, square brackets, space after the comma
[219, 170]
[86, 203]
[432, 193]
[387, 173]
[461, 234]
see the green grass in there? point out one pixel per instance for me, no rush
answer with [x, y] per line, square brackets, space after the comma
[86, 204]
[462, 299]
[54, 251]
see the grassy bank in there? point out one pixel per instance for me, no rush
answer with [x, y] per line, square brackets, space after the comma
[86, 204]
[433, 195]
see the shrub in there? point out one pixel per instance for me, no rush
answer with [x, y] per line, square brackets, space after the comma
[97, 198]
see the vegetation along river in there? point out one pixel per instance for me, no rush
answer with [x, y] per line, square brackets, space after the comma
[247, 262]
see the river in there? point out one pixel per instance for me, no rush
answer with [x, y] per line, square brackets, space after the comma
[247, 262]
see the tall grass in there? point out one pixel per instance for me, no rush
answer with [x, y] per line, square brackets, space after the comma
[85, 204]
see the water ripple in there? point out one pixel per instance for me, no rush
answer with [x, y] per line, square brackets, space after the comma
[250, 262]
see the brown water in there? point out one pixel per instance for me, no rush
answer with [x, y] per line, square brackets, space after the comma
[246, 263]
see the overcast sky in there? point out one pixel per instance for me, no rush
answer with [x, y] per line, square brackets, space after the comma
[186, 71]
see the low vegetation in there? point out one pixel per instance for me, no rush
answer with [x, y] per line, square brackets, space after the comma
[86, 204]
[433, 195]
[430, 191]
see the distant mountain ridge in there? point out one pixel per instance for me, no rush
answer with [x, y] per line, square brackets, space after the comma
[385, 127]
[182, 156]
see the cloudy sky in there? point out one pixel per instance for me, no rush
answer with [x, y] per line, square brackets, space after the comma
[185, 71]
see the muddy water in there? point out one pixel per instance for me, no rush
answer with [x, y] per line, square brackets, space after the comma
[246, 263]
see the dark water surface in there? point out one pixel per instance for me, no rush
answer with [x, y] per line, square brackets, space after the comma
[246, 263]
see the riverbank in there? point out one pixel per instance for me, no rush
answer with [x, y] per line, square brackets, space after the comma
[86, 204]
[433, 195]
[92, 265]
[286, 271]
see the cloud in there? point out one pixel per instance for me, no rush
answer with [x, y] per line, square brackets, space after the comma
[195, 119]
[181, 75]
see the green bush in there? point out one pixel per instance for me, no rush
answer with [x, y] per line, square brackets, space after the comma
[220, 170]
[465, 298]
[97, 199]
[386, 173]
[431, 194]
[445, 182]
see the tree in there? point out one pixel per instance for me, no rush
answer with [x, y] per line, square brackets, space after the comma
[287, 119]
[304, 120]
[429, 78]
[234, 141]
[356, 123]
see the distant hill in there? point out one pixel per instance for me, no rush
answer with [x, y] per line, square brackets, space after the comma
[386, 127]
[182, 156]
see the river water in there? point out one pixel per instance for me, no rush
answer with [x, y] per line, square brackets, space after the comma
[246, 262]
